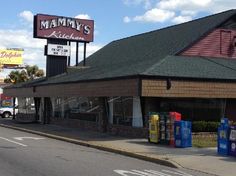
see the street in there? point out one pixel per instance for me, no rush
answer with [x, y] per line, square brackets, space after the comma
[25, 154]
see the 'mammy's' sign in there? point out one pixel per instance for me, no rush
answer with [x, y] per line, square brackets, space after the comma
[63, 28]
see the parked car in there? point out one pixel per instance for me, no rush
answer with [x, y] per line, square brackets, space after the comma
[6, 112]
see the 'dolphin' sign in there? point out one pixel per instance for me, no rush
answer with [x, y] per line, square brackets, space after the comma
[63, 28]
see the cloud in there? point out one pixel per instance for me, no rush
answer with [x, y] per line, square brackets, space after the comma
[181, 19]
[34, 57]
[27, 16]
[221, 5]
[34, 48]
[147, 3]
[183, 10]
[183, 4]
[155, 15]
[196, 6]
[91, 48]
[188, 12]
[126, 19]
[87, 17]
[83, 16]
[19, 39]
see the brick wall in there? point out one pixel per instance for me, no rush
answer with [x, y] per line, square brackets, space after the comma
[198, 89]
[127, 131]
[118, 130]
[25, 118]
[75, 123]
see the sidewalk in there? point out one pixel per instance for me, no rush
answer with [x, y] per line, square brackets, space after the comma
[204, 160]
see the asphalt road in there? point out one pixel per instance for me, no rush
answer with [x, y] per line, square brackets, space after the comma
[25, 154]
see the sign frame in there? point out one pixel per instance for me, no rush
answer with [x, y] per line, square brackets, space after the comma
[63, 28]
[11, 56]
[58, 50]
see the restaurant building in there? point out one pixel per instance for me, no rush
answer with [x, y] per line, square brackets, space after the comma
[189, 68]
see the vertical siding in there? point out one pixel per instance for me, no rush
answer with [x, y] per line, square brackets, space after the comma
[55, 65]
[218, 43]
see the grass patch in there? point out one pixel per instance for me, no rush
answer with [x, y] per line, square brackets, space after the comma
[202, 141]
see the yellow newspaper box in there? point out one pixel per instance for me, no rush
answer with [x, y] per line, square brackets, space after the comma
[154, 128]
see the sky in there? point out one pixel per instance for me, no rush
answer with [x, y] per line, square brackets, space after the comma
[114, 19]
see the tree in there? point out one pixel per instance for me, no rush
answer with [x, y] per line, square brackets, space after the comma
[28, 73]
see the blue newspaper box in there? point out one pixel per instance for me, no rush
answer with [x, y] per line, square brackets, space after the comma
[232, 141]
[224, 122]
[223, 137]
[183, 134]
[223, 140]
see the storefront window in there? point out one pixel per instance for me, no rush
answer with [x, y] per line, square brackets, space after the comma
[26, 106]
[195, 109]
[82, 108]
[122, 110]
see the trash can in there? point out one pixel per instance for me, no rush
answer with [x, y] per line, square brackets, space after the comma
[232, 141]
[183, 134]
[154, 128]
[223, 137]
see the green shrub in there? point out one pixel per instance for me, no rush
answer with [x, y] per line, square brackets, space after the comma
[205, 126]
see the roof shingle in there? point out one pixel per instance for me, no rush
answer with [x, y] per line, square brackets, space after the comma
[152, 53]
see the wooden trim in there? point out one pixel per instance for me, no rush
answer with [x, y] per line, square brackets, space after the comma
[123, 87]
[131, 87]
[19, 92]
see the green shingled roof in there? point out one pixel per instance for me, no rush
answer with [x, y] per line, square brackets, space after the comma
[194, 67]
[153, 54]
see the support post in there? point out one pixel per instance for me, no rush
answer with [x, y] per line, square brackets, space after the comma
[14, 110]
[69, 56]
[47, 110]
[37, 107]
[137, 113]
[77, 54]
[111, 106]
[104, 115]
[84, 63]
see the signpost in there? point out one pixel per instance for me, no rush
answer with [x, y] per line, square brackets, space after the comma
[58, 50]
[58, 31]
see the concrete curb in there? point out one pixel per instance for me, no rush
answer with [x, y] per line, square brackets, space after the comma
[165, 162]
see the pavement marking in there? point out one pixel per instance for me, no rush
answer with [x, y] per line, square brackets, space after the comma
[157, 173]
[150, 173]
[22, 138]
[13, 141]
[181, 173]
[126, 173]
